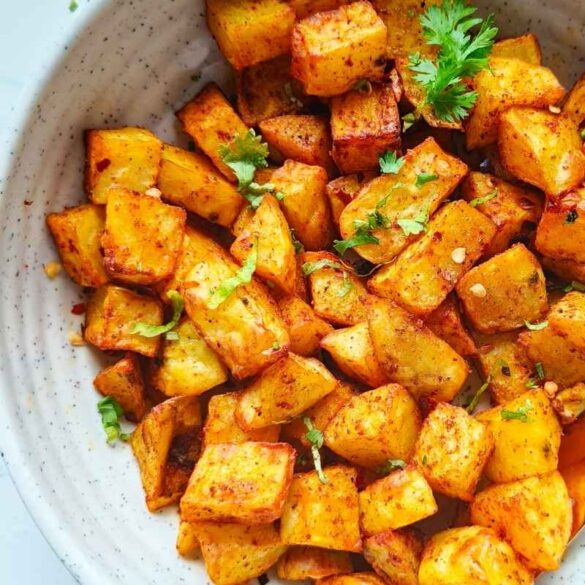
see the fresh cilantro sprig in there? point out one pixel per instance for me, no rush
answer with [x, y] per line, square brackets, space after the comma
[521, 413]
[461, 55]
[147, 330]
[315, 438]
[417, 225]
[111, 412]
[481, 200]
[390, 163]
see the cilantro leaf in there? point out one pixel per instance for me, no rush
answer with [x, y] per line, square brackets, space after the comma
[579, 286]
[390, 163]
[315, 438]
[298, 245]
[417, 225]
[73, 6]
[391, 465]
[539, 370]
[424, 178]
[475, 400]
[481, 200]
[531, 384]
[346, 286]
[409, 120]
[358, 239]
[582, 133]
[111, 412]
[521, 413]
[310, 267]
[147, 330]
[536, 326]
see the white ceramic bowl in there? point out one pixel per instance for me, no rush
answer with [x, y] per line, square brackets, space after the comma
[110, 63]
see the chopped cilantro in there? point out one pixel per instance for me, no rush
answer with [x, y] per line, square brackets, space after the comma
[390, 163]
[481, 200]
[391, 465]
[536, 326]
[111, 412]
[73, 6]
[358, 239]
[417, 225]
[310, 267]
[296, 243]
[409, 120]
[475, 400]
[578, 286]
[424, 178]
[521, 413]
[539, 370]
[315, 438]
[346, 286]
[531, 384]
[147, 330]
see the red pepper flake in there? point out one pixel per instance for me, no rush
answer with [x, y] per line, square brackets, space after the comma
[102, 165]
[78, 309]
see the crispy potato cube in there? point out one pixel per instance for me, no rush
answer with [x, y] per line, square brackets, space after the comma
[283, 391]
[250, 31]
[513, 209]
[452, 450]
[569, 404]
[336, 293]
[142, 238]
[166, 447]
[565, 269]
[424, 274]
[395, 556]
[77, 232]
[471, 554]
[574, 106]
[323, 514]
[412, 355]
[126, 158]
[527, 436]
[506, 83]
[364, 125]
[375, 426]
[343, 190]
[124, 383]
[352, 579]
[397, 500]
[504, 292]
[187, 540]
[333, 50]
[574, 477]
[112, 313]
[212, 122]
[309, 562]
[353, 353]
[525, 48]
[305, 328]
[244, 483]
[188, 366]
[406, 201]
[188, 179]
[571, 450]
[542, 149]
[541, 512]
[567, 318]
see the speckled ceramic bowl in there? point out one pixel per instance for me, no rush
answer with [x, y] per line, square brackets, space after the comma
[115, 62]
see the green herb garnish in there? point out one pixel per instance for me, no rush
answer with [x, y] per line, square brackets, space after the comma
[424, 178]
[315, 438]
[111, 412]
[147, 330]
[539, 368]
[409, 120]
[521, 413]
[363, 85]
[531, 384]
[475, 400]
[536, 326]
[390, 164]
[390, 466]
[310, 267]
[481, 200]
[417, 225]
[73, 6]
[296, 242]
[578, 286]
[346, 286]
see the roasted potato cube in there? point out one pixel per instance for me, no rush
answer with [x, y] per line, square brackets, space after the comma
[471, 554]
[333, 50]
[527, 436]
[399, 499]
[534, 515]
[364, 125]
[283, 391]
[375, 426]
[77, 232]
[569, 404]
[188, 179]
[244, 483]
[166, 447]
[542, 149]
[506, 83]
[323, 514]
[571, 450]
[343, 190]
[250, 31]
[504, 292]
[187, 540]
[124, 383]
[352, 579]
[452, 450]
[336, 292]
[406, 200]
[212, 122]
[511, 208]
[309, 562]
[126, 158]
[427, 271]
[574, 106]
[112, 313]
[525, 48]
[574, 477]
[353, 353]
[187, 366]
[565, 269]
[567, 318]
[142, 238]
[412, 355]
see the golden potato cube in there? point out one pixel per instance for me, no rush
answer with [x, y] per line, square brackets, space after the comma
[567, 318]
[504, 292]
[569, 404]
[406, 200]
[574, 477]
[397, 500]
[142, 238]
[333, 50]
[565, 269]
[343, 190]
[424, 274]
[534, 515]
[250, 31]
[452, 450]
[542, 149]
[352, 579]
[527, 436]
[187, 365]
[506, 83]
[309, 562]
[574, 106]
[187, 544]
[188, 179]
[305, 328]
[336, 293]
[353, 353]
[513, 209]
[221, 426]
[127, 158]
[525, 48]
[364, 125]
[471, 554]
[395, 556]
[112, 313]
[375, 426]
[283, 391]
[323, 514]
[124, 383]
[571, 450]
[212, 122]
[244, 483]
[77, 232]
[412, 355]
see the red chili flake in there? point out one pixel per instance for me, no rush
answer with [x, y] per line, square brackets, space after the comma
[78, 309]
[102, 165]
